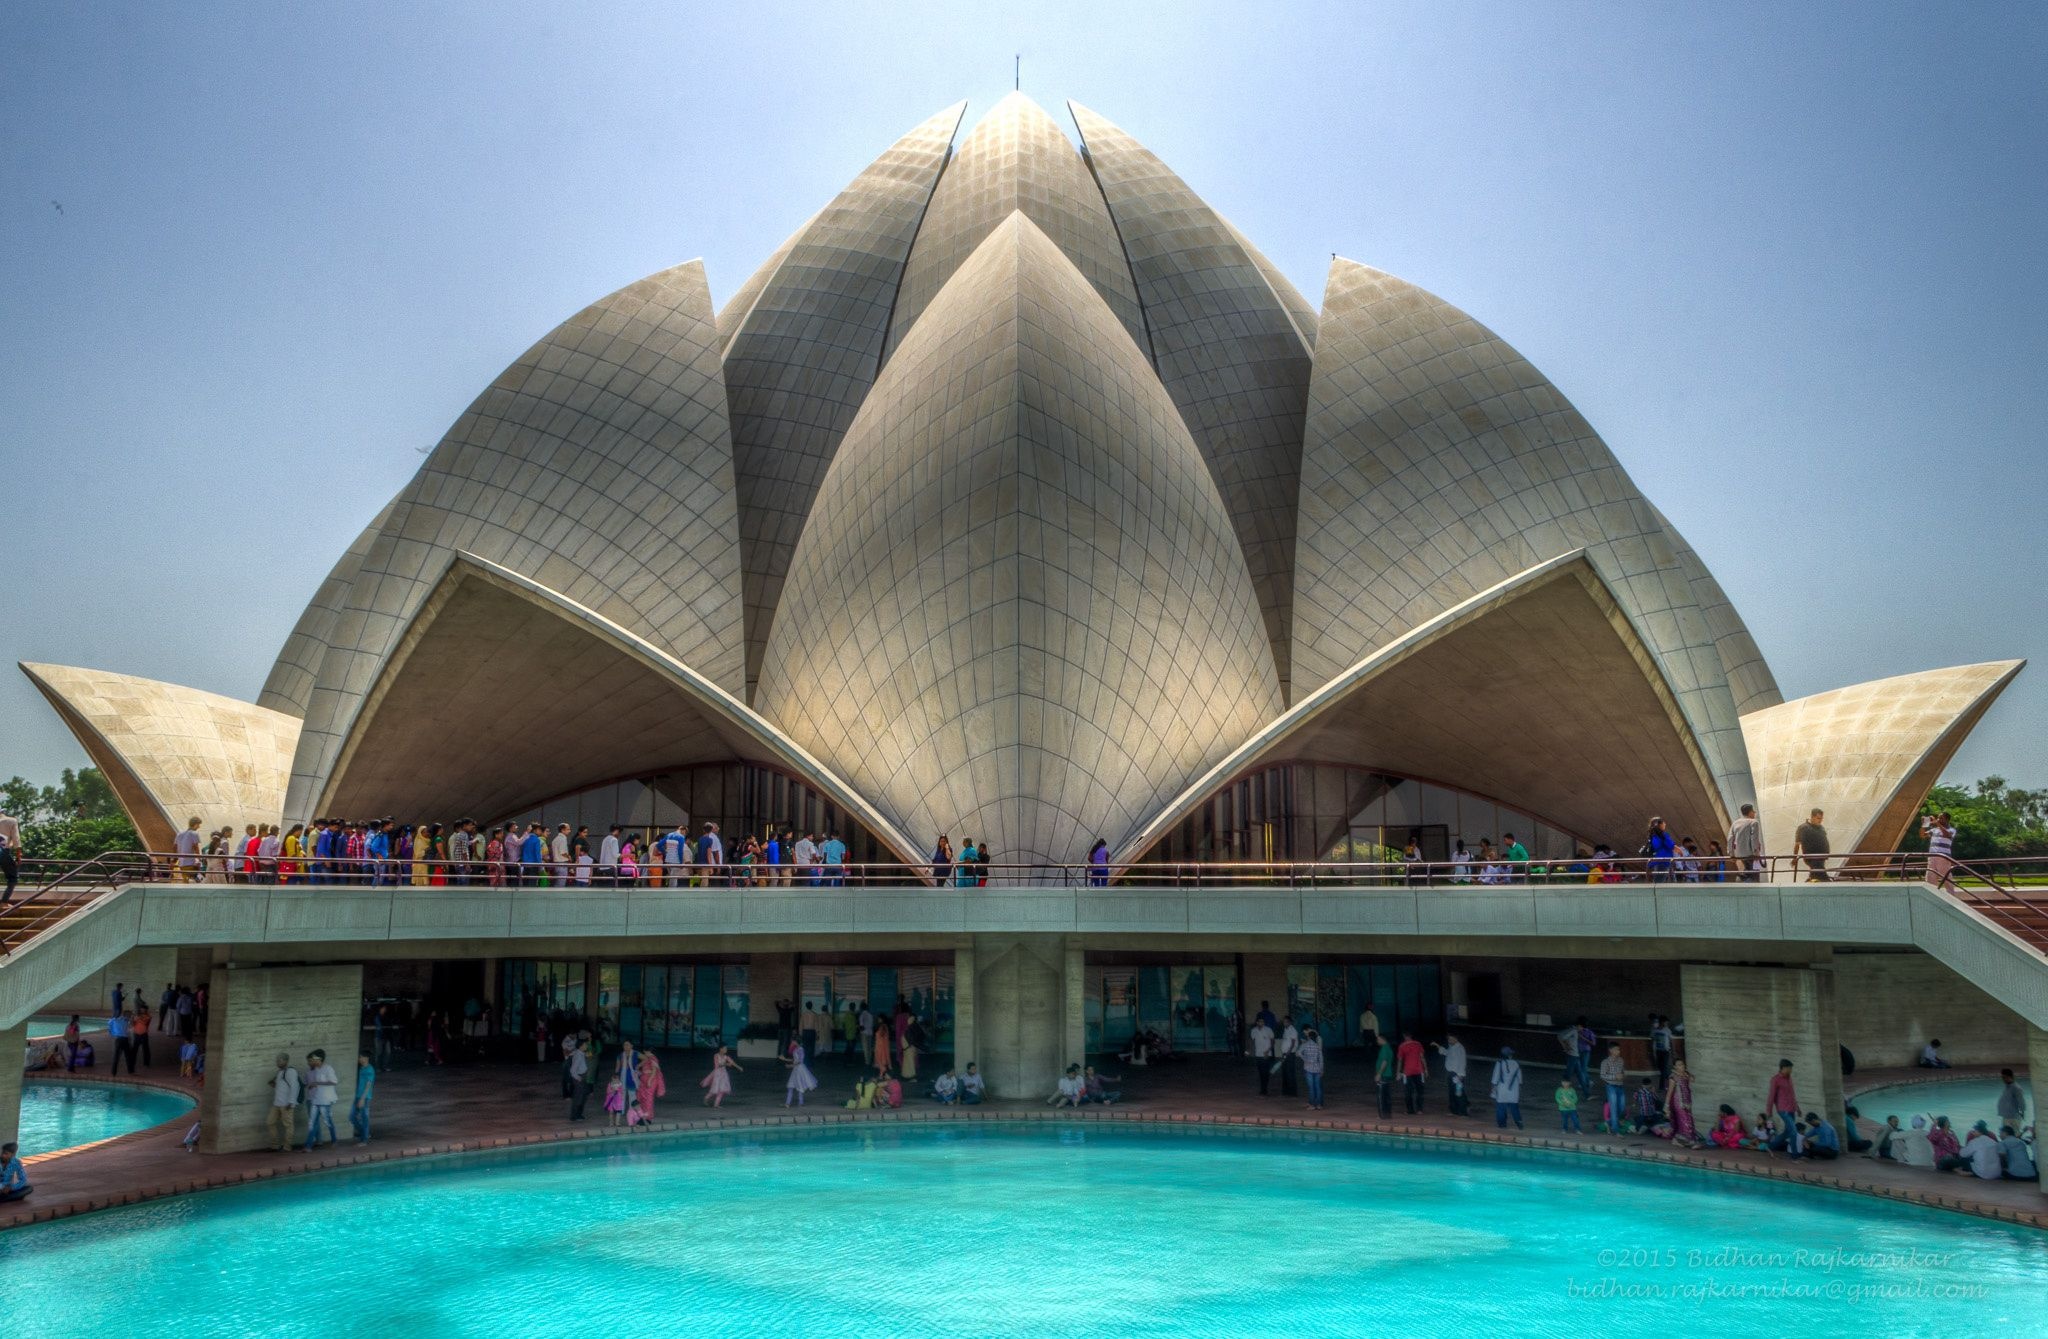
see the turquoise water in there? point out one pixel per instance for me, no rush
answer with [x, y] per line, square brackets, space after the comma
[1963, 1101]
[64, 1115]
[53, 1025]
[1014, 1230]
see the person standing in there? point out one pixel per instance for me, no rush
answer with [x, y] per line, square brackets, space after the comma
[1517, 857]
[124, 1044]
[1506, 1089]
[1678, 1107]
[1368, 1026]
[913, 1046]
[1614, 1077]
[2012, 1100]
[1261, 1042]
[1567, 1099]
[807, 1029]
[653, 1083]
[359, 1109]
[711, 855]
[1940, 834]
[1383, 1071]
[801, 1080]
[1659, 847]
[138, 1028]
[1574, 1058]
[1782, 1100]
[1414, 1065]
[717, 1085]
[1810, 839]
[1746, 844]
[1455, 1061]
[578, 1070]
[1286, 1050]
[1662, 1039]
[283, 1119]
[942, 862]
[608, 857]
[322, 1085]
[1098, 864]
[186, 843]
[1312, 1067]
[806, 857]
[166, 1007]
[867, 1034]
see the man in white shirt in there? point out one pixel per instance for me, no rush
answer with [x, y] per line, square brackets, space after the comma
[268, 847]
[1746, 844]
[283, 1120]
[806, 858]
[188, 843]
[2019, 1159]
[608, 858]
[972, 1090]
[1286, 1050]
[1455, 1060]
[321, 1083]
[1261, 1038]
[558, 854]
[1930, 1055]
[1072, 1089]
[579, 1079]
[675, 856]
[1985, 1154]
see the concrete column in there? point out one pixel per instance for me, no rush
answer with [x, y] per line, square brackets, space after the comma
[491, 984]
[1265, 978]
[253, 1014]
[965, 1046]
[771, 977]
[2037, 1077]
[13, 1051]
[1740, 1021]
[1075, 999]
[1020, 1013]
[145, 969]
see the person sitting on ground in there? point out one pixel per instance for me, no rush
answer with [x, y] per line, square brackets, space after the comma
[1852, 1138]
[972, 1090]
[1821, 1140]
[1930, 1056]
[1094, 1086]
[1912, 1147]
[946, 1088]
[82, 1056]
[1071, 1092]
[1727, 1131]
[1983, 1154]
[889, 1091]
[1948, 1153]
[13, 1176]
[863, 1098]
[1645, 1111]
[2019, 1159]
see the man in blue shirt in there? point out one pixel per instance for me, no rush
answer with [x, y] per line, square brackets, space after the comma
[1821, 1139]
[771, 855]
[13, 1176]
[530, 853]
[377, 848]
[833, 853]
[359, 1110]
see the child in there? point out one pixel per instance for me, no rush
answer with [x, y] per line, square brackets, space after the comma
[801, 1080]
[188, 1059]
[1567, 1096]
[717, 1085]
[615, 1100]
[584, 865]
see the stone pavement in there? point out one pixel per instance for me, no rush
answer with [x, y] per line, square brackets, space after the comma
[461, 1108]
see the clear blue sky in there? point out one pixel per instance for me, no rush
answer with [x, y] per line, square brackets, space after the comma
[1791, 260]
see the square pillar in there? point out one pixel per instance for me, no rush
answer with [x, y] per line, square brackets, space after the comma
[14, 1052]
[254, 1013]
[1075, 998]
[964, 1042]
[1020, 1013]
[1265, 978]
[1740, 1021]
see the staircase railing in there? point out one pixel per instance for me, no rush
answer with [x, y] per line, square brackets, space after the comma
[2022, 916]
[68, 886]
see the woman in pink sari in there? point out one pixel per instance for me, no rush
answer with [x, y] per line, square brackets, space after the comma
[652, 1085]
[1678, 1107]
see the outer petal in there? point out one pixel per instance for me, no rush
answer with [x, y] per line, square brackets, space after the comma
[1017, 158]
[174, 753]
[290, 684]
[802, 353]
[1536, 691]
[598, 464]
[1026, 619]
[504, 692]
[1437, 463]
[1229, 350]
[1867, 754]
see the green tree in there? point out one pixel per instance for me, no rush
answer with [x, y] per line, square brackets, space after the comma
[1993, 820]
[76, 819]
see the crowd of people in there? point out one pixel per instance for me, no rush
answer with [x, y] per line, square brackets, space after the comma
[463, 854]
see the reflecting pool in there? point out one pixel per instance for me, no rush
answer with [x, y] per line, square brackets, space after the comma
[1963, 1101]
[63, 1115]
[1027, 1229]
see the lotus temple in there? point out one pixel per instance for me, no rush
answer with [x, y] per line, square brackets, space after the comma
[1018, 498]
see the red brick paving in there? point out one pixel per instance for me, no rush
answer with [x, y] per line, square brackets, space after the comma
[492, 1105]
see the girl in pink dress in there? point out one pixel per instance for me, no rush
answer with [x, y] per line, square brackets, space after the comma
[717, 1084]
[652, 1085]
[801, 1080]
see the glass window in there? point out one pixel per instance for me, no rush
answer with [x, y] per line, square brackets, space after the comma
[735, 984]
[1219, 985]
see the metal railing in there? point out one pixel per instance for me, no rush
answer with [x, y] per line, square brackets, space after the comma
[60, 887]
[1996, 896]
[84, 879]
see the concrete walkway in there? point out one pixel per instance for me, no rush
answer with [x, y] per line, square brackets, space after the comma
[424, 1112]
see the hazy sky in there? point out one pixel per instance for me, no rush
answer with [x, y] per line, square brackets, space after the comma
[1791, 261]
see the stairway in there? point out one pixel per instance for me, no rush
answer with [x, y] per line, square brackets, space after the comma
[38, 910]
[2022, 914]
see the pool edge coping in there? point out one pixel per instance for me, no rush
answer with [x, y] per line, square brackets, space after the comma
[84, 1081]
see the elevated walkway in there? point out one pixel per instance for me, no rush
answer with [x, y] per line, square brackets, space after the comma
[301, 923]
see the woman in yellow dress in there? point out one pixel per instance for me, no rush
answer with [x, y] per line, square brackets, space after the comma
[422, 852]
